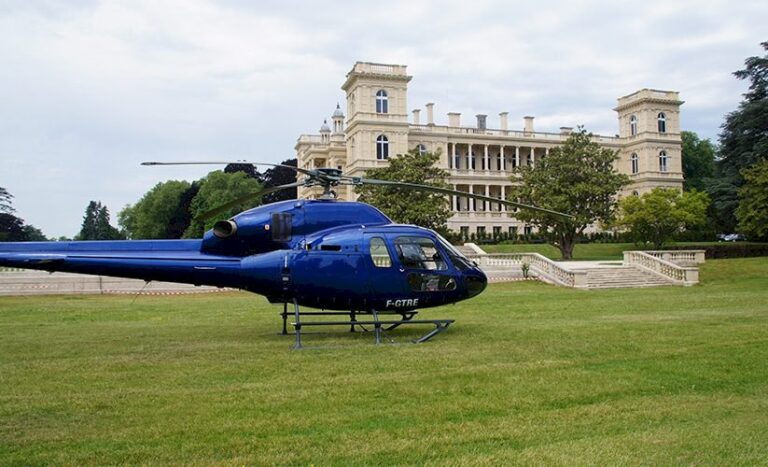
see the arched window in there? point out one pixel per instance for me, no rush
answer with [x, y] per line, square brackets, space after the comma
[382, 147]
[663, 161]
[634, 162]
[662, 122]
[382, 105]
[632, 125]
[421, 149]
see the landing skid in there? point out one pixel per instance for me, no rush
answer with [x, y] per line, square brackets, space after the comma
[379, 326]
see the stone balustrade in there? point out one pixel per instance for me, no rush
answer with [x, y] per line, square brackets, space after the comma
[543, 267]
[679, 256]
[683, 275]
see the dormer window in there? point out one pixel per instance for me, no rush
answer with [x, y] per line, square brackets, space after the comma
[634, 162]
[632, 125]
[382, 147]
[662, 122]
[382, 102]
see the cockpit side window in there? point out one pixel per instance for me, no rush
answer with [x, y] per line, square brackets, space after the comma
[379, 253]
[419, 253]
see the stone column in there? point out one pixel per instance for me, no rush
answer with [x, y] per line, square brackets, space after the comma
[486, 164]
[503, 196]
[486, 204]
[453, 155]
[532, 158]
[454, 201]
[471, 201]
[501, 159]
[470, 158]
[517, 156]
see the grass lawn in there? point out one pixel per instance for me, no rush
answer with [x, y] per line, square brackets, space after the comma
[529, 373]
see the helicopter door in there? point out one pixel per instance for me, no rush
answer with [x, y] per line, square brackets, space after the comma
[387, 282]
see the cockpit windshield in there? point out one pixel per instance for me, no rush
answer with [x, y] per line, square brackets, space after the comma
[460, 261]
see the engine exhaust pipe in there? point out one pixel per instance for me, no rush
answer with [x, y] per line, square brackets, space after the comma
[224, 229]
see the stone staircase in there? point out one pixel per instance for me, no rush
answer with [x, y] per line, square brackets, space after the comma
[622, 277]
[638, 268]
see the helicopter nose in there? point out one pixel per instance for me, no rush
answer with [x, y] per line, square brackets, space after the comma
[476, 282]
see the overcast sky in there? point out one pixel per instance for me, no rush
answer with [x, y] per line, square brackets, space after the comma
[89, 89]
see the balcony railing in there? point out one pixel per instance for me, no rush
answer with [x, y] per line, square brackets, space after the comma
[556, 138]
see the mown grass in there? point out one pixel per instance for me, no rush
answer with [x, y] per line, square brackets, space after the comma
[529, 374]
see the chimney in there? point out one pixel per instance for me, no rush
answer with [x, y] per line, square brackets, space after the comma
[481, 121]
[454, 119]
[503, 120]
[566, 130]
[416, 113]
[528, 124]
[430, 114]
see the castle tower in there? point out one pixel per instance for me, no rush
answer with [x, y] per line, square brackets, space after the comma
[377, 125]
[649, 128]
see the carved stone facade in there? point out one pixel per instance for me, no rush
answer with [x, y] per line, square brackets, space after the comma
[480, 160]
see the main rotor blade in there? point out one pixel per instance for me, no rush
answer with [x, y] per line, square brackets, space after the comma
[244, 199]
[446, 191]
[297, 169]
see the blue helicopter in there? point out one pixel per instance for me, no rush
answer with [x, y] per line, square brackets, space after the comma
[341, 258]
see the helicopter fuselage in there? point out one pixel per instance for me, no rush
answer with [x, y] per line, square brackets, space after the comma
[320, 253]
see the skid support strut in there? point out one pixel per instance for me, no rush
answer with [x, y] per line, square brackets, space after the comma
[379, 326]
[297, 324]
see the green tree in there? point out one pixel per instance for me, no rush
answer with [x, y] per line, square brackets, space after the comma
[216, 189]
[6, 201]
[753, 206]
[577, 178]
[11, 228]
[33, 234]
[277, 176]
[660, 214]
[743, 140]
[163, 212]
[408, 205]
[698, 161]
[96, 224]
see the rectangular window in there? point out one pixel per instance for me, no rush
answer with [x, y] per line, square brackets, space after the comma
[496, 231]
[513, 231]
[379, 253]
